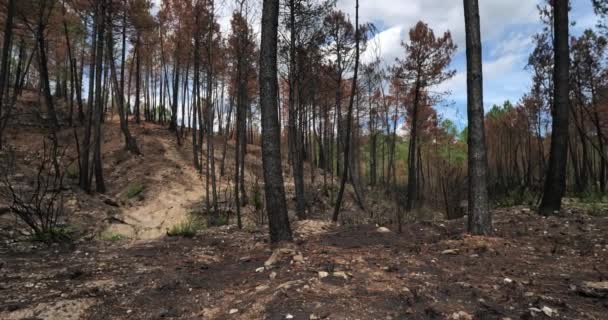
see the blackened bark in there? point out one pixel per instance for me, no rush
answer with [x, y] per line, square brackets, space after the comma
[480, 220]
[8, 34]
[85, 182]
[412, 173]
[276, 206]
[99, 101]
[555, 183]
[349, 119]
[130, 142]
[44, 69]
[137, 80]
[294, 141]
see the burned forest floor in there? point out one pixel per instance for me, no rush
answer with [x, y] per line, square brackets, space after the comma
[532, 268]
[124, 266]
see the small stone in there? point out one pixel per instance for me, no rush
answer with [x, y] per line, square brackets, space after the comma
[272, 275]
[508, 280]
[323, 274]
[260, 269]
[461, 315]
[129, 311]
[548, 311]
[298, 258]
[288, 316]
[383, 230]
[289, 284]
[245, 259]
[313, 317]
[233, 311]
[340, 274]
[450, 251]
[261, 288]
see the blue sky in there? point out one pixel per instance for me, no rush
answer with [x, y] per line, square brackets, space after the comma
[507, 27]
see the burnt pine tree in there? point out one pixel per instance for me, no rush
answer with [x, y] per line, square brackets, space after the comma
[6, 48]
[480, 220]
[349, 118]
[425, 64]
[276, 206]
[555, 182]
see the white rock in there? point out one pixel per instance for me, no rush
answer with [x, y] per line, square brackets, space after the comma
[548, 311]
[298, 258]
[461, 315]
[272, 275]
[288, 316]
[260, 269]
[508, 280]
[323, 274]
[261, 288]
[233, 311]
[383, 230]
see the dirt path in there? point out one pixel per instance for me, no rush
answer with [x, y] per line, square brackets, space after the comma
[175, 189]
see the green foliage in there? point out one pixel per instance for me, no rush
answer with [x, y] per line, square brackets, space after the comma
[597, 209]
[464, 135]
[258, 203]
[515, 197]
[186, 229]
[449, 127]
[113, 237]
[134, 189]
[53, 235]
[72, 171]
[592, 197]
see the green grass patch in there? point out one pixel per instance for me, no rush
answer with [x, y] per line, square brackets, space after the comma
[134, 189]
[113, 237]
[53, 235]
[186, 229]
[72, 171]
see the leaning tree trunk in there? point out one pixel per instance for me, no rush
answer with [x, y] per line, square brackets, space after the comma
[555, 183]
[130, 142]
[480, 220]
[276, 205]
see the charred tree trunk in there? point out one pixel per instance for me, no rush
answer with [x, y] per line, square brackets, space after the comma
[130, 142]
[276, 206]
[555, 183]
[99, 101]
[349, 119]
[6, 48]
[480, 220]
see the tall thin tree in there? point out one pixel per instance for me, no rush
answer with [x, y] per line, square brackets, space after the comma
[349, 118]
[480, 220]
[555, 183]
[276, 206]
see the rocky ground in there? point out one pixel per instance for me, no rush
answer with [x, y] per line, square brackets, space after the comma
[533, 268]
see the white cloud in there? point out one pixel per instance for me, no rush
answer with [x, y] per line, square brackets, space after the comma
[442, 15]
[386, 44]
